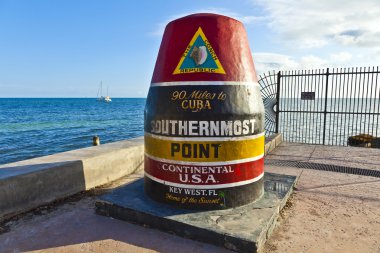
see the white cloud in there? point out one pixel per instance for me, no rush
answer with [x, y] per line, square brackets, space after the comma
[244, 19]
[341, 57]
[315, 24]
[265, 62]
[312, 62]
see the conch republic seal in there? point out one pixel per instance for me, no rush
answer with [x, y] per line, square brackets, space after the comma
[204, 117]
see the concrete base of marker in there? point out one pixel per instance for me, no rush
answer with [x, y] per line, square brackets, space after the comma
[241, 229]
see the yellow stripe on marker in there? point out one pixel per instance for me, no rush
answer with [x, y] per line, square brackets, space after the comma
[204, 151]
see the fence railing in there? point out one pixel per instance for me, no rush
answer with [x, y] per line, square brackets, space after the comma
[324, 106]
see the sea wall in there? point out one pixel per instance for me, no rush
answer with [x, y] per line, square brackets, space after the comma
[31, 183]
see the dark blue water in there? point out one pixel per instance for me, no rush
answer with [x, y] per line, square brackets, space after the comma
[36, 127]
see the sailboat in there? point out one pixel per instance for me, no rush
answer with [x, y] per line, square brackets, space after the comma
[102, 98]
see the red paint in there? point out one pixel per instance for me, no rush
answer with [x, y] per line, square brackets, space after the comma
[241, 172]
[227, 37]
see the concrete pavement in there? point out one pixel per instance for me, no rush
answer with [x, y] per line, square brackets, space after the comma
[329, 212]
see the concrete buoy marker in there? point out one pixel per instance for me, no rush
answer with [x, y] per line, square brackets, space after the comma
[204, 117]
[204, 142]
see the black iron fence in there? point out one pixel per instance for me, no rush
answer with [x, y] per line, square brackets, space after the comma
[324, 106]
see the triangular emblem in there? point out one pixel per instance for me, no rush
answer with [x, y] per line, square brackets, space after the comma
[199, 56]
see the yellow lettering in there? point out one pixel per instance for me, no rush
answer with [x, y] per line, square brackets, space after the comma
[185, 104]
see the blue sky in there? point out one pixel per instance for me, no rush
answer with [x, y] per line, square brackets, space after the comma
[51, 48]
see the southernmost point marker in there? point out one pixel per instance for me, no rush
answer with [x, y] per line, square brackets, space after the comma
[204, 142]
[204, 117]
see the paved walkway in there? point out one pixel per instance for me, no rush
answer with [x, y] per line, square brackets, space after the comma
[329, 212]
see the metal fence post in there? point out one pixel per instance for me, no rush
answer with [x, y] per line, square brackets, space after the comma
[325, 110]
[278, 101]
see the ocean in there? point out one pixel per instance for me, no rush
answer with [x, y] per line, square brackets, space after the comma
[345, 117]
[33, 127]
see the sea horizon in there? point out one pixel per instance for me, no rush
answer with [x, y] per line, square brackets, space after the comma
[34, 127]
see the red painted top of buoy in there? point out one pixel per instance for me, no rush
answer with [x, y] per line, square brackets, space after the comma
[227, 38]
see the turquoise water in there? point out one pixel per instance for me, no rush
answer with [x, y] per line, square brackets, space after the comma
[33, 127]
